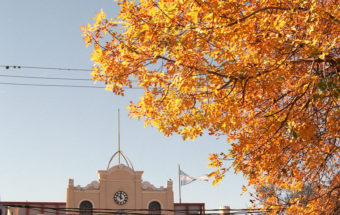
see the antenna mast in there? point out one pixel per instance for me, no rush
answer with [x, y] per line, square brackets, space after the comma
[119, 152]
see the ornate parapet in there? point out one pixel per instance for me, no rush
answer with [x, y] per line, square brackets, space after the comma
[71, 182]
[147, 186]
[94, 185]
[169, 184]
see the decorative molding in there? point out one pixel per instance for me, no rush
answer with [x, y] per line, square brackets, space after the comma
[120, 167]
[147, 186]
[86, 191]
[119, 180]
[155, 191]
[71, 182]
[93, 186]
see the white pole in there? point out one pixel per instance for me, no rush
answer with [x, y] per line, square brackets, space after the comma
[118, 137]
[179, 184]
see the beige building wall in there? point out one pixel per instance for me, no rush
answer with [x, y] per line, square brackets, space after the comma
[32, 208]
[120, 178]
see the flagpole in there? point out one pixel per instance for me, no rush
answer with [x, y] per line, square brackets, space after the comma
[179, 185]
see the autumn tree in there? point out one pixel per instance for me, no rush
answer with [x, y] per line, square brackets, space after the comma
[264, 75]
[284, 196]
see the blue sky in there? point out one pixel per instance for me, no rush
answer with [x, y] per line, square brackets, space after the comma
[50, 134]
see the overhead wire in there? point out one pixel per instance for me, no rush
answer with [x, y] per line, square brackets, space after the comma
[45, 68]
[51, 78]
[50, 85]
[64, 85]
[99, 211]
[47, 78]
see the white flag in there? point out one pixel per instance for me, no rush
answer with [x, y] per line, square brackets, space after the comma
[186, 179]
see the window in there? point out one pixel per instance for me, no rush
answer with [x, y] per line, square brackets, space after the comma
[85, 208]
[119, 213]
[154, 208]
[189, 208]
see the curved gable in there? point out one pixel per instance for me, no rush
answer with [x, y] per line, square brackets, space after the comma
[119, 172]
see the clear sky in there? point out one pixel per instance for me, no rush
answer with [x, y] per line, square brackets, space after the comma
[50, 134]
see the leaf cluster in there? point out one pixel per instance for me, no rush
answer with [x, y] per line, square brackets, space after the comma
[263, 74]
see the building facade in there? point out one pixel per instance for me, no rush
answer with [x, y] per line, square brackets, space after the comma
[120, 188]
[32, 208]
[59, 208]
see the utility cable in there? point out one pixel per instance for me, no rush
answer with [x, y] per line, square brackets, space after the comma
[47, 78]
[63, 85]
[50, 85]
[132, 211]
[45, 68]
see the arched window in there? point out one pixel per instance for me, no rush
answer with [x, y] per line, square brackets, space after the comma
[85, 208]
[155, 208]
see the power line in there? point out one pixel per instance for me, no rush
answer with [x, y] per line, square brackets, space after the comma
[62, 85]
[50, 85]
[31, 205]
[48, 78]
[45, 68]
[132, 211]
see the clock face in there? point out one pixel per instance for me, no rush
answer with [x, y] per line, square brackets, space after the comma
[120, 197]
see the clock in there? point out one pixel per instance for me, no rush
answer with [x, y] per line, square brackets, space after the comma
[120, 197]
